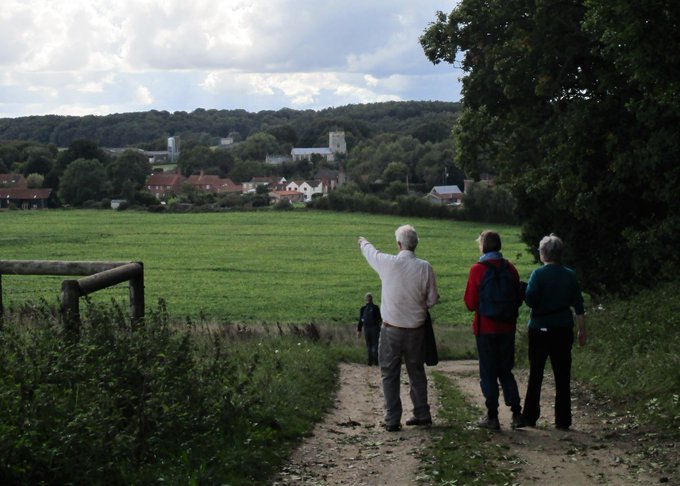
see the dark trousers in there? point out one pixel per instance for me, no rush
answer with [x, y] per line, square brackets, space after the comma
[496, 359]
[555, 344]
[372, 335]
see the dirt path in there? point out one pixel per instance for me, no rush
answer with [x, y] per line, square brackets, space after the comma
[350, 447]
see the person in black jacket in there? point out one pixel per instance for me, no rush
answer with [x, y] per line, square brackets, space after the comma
[369, 321]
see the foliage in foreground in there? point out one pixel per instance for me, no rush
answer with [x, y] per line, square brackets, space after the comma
[632, 354]
[148, 403]
[583, 129]
[462, 452]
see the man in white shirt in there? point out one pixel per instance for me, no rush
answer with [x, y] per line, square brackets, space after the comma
[408, 290]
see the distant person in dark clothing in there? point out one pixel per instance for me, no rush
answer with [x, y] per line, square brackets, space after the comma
[369, 321]
[555, 298]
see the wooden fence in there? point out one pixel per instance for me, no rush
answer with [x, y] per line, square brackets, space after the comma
[98, 275]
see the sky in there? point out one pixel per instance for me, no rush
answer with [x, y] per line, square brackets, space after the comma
[82, 57]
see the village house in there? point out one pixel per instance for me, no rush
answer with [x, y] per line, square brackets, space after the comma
[17, 181]
[14, 191]
[309, 188]
[331, 178]
[213, 183]
[24, 198]
[445, 195]
[164, 184]
[251, 185]
[292, 196]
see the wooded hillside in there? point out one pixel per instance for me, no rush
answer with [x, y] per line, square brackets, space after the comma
[149, 130]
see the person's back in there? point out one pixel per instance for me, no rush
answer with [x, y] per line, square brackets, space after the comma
[494, 325]
[551, 293]
[408, 290]
[406, 286]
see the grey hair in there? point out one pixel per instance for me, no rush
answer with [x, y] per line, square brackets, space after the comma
[368, 296]
[407, 236]
[550, 248]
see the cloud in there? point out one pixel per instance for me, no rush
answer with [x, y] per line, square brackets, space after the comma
[61, 56]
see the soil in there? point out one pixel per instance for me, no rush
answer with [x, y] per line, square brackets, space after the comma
[349, 447]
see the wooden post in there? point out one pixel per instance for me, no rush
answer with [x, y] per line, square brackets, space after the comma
[70, 307]
[2, 310]
[136, 287]
[100, 275]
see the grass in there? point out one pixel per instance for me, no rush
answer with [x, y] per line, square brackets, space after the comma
[632, 355]
[288, 267]
[463, 453]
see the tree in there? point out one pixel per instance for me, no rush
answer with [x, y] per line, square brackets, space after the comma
[557, 104]
[193, 159]
[129, 170]
[395, 171]
[38, 165]
[34, 180]
[81, 149]
[257, 146]
[83, 180]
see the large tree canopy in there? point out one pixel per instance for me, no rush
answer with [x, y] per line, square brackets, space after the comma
[576, 105]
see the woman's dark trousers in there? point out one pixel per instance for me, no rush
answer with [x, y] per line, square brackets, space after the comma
[555, 344]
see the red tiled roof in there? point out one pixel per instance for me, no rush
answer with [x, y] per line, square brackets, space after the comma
[13, 180]
[24, 194]
[162, 179]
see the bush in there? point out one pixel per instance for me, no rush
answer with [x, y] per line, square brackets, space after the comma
[489, 204]
[283, 204]
[146, 403]
[342, 200]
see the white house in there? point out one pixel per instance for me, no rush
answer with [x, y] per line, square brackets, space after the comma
[294, 185]
[309, 188]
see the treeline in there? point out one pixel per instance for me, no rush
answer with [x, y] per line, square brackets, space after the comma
[427, 121]
[575, 105]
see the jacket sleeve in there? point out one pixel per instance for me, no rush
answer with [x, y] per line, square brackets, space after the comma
[532, 295]
[471, 296]
[432, 292]
[360, 323]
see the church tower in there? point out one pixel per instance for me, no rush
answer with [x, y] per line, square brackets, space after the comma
[336, 142]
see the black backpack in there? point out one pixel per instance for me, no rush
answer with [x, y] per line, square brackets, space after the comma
[499, 292]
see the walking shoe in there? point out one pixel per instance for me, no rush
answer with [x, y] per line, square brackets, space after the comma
[487, 422]
[419, 421]
[393, 427]
[518, 421]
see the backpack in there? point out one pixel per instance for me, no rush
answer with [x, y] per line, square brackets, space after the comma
[499, 292]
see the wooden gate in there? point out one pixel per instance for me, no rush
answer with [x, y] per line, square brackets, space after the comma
[98, 275]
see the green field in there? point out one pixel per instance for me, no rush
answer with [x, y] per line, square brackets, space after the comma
[287, 267]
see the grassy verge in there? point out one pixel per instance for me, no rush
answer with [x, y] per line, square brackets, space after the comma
[632, 355]
[463, 453]
[155, 402]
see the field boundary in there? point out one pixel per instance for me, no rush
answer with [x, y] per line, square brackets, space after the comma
[98, 276]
